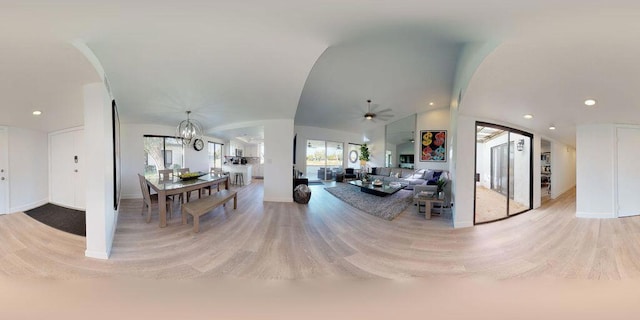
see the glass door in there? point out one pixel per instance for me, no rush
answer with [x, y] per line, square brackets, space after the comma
[503, 172]
[324, 159]
[520, 173]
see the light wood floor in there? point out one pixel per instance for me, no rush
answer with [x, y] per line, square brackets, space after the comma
[327, 239]
[492, 205]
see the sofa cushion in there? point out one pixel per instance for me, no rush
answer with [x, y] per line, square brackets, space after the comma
[385, 172]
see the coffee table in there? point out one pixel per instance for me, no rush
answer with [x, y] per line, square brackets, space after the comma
[381, 191]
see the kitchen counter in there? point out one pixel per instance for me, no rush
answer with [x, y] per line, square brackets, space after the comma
[245, 169]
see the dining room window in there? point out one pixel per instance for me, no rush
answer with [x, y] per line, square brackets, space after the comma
[162, 152]
[215, 155]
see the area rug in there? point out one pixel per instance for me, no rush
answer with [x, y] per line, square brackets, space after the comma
[387, 207]
[68, 220]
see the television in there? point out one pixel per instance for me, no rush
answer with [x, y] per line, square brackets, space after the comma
[406, 158]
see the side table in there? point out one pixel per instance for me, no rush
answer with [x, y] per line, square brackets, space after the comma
[424, 204]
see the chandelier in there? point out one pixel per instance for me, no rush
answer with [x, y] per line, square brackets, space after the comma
[188, 130]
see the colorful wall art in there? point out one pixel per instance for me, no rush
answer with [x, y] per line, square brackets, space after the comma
[434, 145]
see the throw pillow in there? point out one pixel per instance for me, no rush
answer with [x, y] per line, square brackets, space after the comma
[437, 174]
[432, 182]
[416, 176]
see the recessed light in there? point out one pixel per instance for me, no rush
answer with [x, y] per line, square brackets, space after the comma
[37, 113]
[552, 128]
[430, 103]
[590, 102]
[528, 116]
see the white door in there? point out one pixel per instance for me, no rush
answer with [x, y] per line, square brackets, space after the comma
[4, 174]
[628, 172]
[79, 170]
[66, 169]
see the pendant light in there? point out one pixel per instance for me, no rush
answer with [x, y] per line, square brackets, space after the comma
[188, 130]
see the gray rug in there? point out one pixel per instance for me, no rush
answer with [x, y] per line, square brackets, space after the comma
[387, 207]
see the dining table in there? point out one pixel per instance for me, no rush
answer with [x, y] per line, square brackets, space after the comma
[177, 185]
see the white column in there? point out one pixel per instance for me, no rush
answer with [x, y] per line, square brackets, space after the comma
[278, 164]
[101, 216]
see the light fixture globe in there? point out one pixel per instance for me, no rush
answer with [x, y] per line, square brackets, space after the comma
[188, 130]
[369, 115]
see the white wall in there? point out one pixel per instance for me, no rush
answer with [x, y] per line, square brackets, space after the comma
[278, 160]
[375, 140]
[100, 214]
[437, 119]
[28, 169]
[132, 154]
[563, 168]
[464, 180]
[594, 169]
[404, 148]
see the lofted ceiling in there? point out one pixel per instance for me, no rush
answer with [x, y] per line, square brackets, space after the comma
[318, 61]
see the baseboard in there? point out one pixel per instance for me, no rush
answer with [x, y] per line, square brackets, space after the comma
[595, 215]
[462, 224]
[29, 206]
[68, 207]
[96, 254]
[276, 199]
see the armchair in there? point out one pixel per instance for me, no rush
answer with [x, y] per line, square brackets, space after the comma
[321, 174]
[349, 173]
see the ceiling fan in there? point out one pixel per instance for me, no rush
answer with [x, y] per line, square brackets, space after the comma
[381, 114]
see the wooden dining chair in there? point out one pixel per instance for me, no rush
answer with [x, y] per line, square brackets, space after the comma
[165, 174]
[213, 171]
[148, 199]
[185, 170]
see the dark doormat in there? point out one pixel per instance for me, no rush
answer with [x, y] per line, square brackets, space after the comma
[67, 220]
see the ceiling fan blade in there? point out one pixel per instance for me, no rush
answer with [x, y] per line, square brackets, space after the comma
[384, 110]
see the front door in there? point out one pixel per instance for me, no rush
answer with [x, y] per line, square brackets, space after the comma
[4, 174]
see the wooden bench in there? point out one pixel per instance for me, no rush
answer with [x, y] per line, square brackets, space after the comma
[199, 207]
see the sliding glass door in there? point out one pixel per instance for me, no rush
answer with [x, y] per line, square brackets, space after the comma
[162, 152]
[324, 159]
[503, 172]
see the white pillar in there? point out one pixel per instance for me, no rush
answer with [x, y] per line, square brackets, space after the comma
[278, 160]
[100, 214]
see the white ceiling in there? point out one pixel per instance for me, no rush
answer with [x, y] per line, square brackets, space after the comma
[319, 60]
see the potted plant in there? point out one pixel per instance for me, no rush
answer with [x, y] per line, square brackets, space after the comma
[441, 183]
[364, 157]
[364, 154]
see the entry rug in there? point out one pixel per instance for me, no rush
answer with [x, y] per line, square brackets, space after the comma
[67, 220]
[387, 207]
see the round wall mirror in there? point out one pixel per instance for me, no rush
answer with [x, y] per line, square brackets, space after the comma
[353, 156]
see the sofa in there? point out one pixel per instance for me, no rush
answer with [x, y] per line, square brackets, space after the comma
[409, 176]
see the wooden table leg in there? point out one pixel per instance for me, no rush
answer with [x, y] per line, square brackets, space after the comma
[162, 208]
